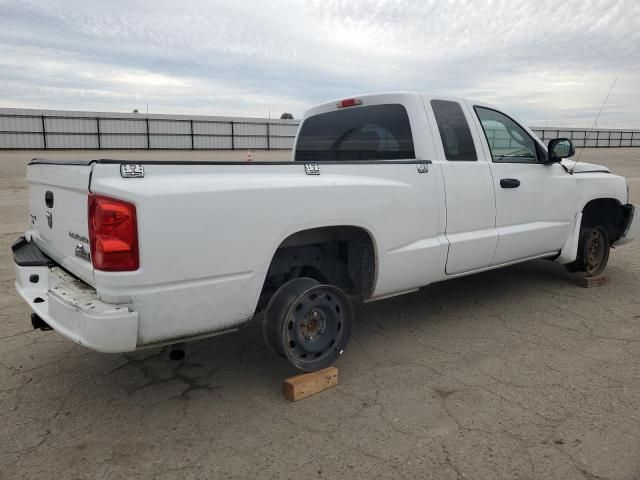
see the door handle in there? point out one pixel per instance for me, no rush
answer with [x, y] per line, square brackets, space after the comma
[509, 182]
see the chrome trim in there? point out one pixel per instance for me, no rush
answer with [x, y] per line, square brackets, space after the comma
[131, 170]
[311, 169]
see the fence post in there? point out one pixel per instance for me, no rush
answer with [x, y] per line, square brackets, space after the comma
[98, 130]
[233, 143]
[148, 136]
[268, 137]
[44, 134]
[191, 122]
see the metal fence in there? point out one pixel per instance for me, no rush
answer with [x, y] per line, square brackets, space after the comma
[42, 129]
[57, 129]
[591, 138]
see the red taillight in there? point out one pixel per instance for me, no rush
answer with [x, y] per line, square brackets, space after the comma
[113, 234]
[349, 102]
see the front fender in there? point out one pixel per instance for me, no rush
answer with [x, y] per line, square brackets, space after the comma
[631, 228]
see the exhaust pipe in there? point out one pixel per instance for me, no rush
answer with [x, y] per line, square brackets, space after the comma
[177, 351]
[39, 324]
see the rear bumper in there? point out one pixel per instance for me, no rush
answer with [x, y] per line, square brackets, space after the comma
[631, 230]
[72, 308]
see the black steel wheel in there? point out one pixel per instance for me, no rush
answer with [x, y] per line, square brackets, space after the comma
[595, 251]
[308, 323]
[317, 327]
[277, 308]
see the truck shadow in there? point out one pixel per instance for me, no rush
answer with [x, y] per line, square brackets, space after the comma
[440, 307]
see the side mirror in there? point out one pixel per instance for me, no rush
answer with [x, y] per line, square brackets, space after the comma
[560, 148]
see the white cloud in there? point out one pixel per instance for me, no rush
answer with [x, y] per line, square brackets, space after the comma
[545, 59]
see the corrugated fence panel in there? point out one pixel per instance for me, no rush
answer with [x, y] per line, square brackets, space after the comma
[20, 124]
[123, 141]
[591, 142]
[212, 143]
[177, 142]
[169, 127]
[256, 129]
[69, 141]
[254, 142]
[108, 125]
[71, 125]
[603, 139]
[22, 140]
[212, 128]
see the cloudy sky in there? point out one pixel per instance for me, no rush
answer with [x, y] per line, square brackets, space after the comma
[550, 61]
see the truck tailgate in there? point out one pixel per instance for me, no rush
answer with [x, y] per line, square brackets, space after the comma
[58, 214]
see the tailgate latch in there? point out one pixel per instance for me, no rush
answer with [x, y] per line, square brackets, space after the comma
[131, 170]
[82, 252]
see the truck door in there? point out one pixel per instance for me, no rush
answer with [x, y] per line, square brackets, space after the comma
[535, 201]
[469, 193]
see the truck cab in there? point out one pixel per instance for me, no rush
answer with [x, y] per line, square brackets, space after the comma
[506, 200]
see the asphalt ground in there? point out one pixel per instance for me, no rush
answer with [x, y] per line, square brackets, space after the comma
[516, 373]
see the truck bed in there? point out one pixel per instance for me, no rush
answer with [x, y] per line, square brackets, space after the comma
[209, 230]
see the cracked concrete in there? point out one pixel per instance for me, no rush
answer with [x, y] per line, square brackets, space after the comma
[515, 374]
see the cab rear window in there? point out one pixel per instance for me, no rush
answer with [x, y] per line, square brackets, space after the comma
[376, 132]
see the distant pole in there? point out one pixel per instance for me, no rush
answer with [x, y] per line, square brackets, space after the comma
[148, 135]
[147, 109]
[44, 133]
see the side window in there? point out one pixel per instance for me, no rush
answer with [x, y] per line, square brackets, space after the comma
[376, 132]
[507, 140]
[454, 131]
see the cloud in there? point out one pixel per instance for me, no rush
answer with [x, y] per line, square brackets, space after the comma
[545, 60]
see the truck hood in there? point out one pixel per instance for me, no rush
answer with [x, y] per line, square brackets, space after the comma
[583, 167]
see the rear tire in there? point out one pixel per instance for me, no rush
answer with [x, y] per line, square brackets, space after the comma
[277, 308]
[593, 252]
[308, 323]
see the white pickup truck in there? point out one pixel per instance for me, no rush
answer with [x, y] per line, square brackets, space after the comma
[384, 194]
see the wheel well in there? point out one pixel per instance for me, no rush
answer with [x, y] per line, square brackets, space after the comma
[343, 256]
[606, 212]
